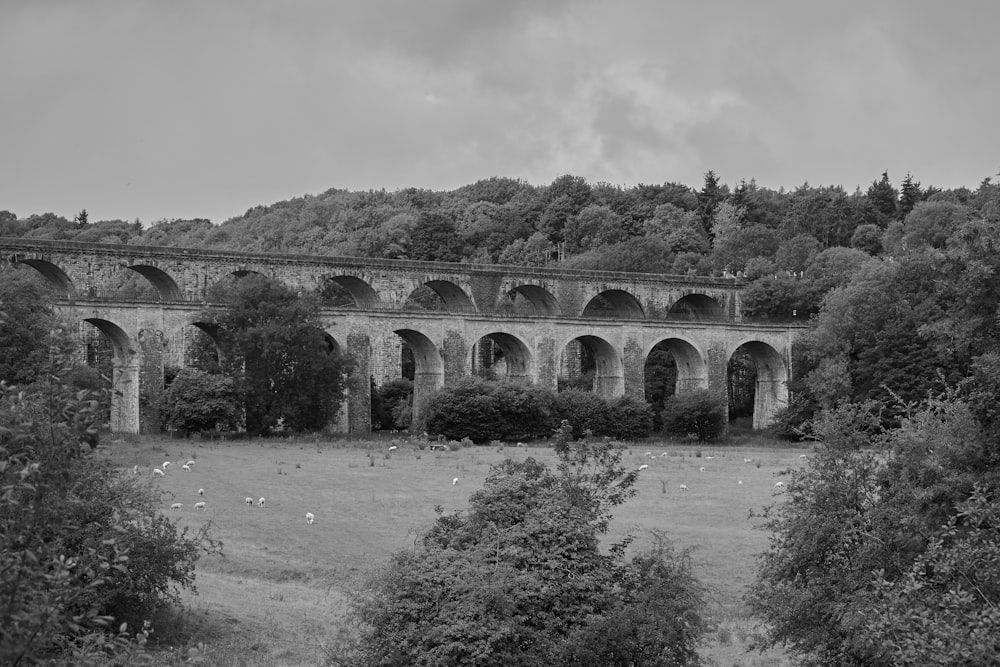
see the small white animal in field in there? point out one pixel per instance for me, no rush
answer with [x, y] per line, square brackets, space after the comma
[157, 471]
[803, 456]
[684, 487]
[648, 454]
[392, 448]
[166, 464]
[200, 506]
[260, 503]
[747, 460]
[201, 492]
[740, 482]
[177, 506]
[779, 485]
[249, 501]
[135, 470]
[653, 456]
[663, 454]
[643, 466]
[190, 463]
[709, 458]
[309, 517]
[520, 444]
[701, 469]
[186, 468]
[454, 481]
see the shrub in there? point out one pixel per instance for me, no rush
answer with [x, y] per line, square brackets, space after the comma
[396, 397]
[629, 419]
[198, 401]
[700, 414]
[585, 410]
[483, 411]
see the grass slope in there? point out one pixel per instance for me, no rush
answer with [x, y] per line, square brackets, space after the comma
[278, 595]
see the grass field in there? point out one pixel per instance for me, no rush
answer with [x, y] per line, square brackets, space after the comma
[278, 595]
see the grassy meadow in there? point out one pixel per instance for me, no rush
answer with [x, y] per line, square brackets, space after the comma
[278, 595]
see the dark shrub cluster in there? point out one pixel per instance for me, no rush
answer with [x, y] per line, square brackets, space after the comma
[699, 414]
[483, 411]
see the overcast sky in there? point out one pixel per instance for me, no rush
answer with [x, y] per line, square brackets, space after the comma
[204, 108]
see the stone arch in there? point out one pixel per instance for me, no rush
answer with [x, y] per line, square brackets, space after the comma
[166, 287]
[505, 354]
[606, 361]
[531, 300]
[52, 273]
[453, 298]
[614, 304]
[224, 282]
[689, 362]
[771, 386]
[125, 377]
[696, 308]
[428, 371]
[348, 291]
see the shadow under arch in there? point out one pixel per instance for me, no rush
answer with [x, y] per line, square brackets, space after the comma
[587, 353]
[503, 356]
[691, 366]
[696, 308]
[165, 286]
[453, 298]
[771, 385]
[125, 377]
[614, 304]
[54, 275]
[428, 368]
[347, 292]
[530, 300]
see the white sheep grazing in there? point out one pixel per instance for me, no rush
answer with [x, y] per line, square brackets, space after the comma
[260, 503]
[648, 454]
[740, 482]
[157, 471]
[779, 485]
[747, 460]
[201, 492]
[309, 517]
[177, 506]
[392, 448]
[135, 470]
[190, 463]
[701, 469]
[200, 506]
[709, 458]
[643, 466]
[454, 481]
[166, 464]
[803, 456]
[249, 501]
[684, 487]
[186, 468]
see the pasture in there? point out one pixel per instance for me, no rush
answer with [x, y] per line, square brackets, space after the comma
[278, 595]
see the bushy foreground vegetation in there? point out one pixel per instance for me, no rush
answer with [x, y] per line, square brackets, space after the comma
[521, 579]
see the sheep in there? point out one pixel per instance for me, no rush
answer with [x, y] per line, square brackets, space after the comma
[392, 448]
[309, 517]
[158, 472]
[701, 469]
[177, 506]
[186, 468]
[648, 454]
[709, 458]
[200, 506]
[454, 481]
[803, 456]
[684, 487]
[166, 464]
[249, 501]
[746, 460]
[643, 466]
[190, 463]
[779, 485]
[260, 503]
[135, 470]
[740, 482]
[201, 492]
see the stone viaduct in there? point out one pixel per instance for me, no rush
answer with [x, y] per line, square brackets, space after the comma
[149, 301]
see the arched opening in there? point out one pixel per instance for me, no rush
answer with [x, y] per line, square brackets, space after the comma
[124, 386]
[224, 289]
[672, 367]
[757, 384]
[501, 356]
[157, 286]
[54, 276]
[427, 373]
[347, 292]
[614, 304]
[529, 300]
[696, 308]
[592, 364]
[441, 296]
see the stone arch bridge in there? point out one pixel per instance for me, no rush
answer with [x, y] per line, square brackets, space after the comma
[148, 302]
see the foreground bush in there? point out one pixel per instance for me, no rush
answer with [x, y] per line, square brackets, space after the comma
[197, 401]
[699, 414]
[521, 579]
[83, 547]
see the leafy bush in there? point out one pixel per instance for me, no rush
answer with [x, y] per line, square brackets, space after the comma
[629, 419]
[585, 410]
[521, 579]
[80, 545]
[198, 401]
[699, 414]
[396, 397]
[483, 411]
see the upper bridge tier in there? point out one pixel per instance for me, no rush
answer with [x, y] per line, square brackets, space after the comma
[83, 271]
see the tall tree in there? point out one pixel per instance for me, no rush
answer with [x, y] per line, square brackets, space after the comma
[881, 201]
[909, 196]
[709, 197]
